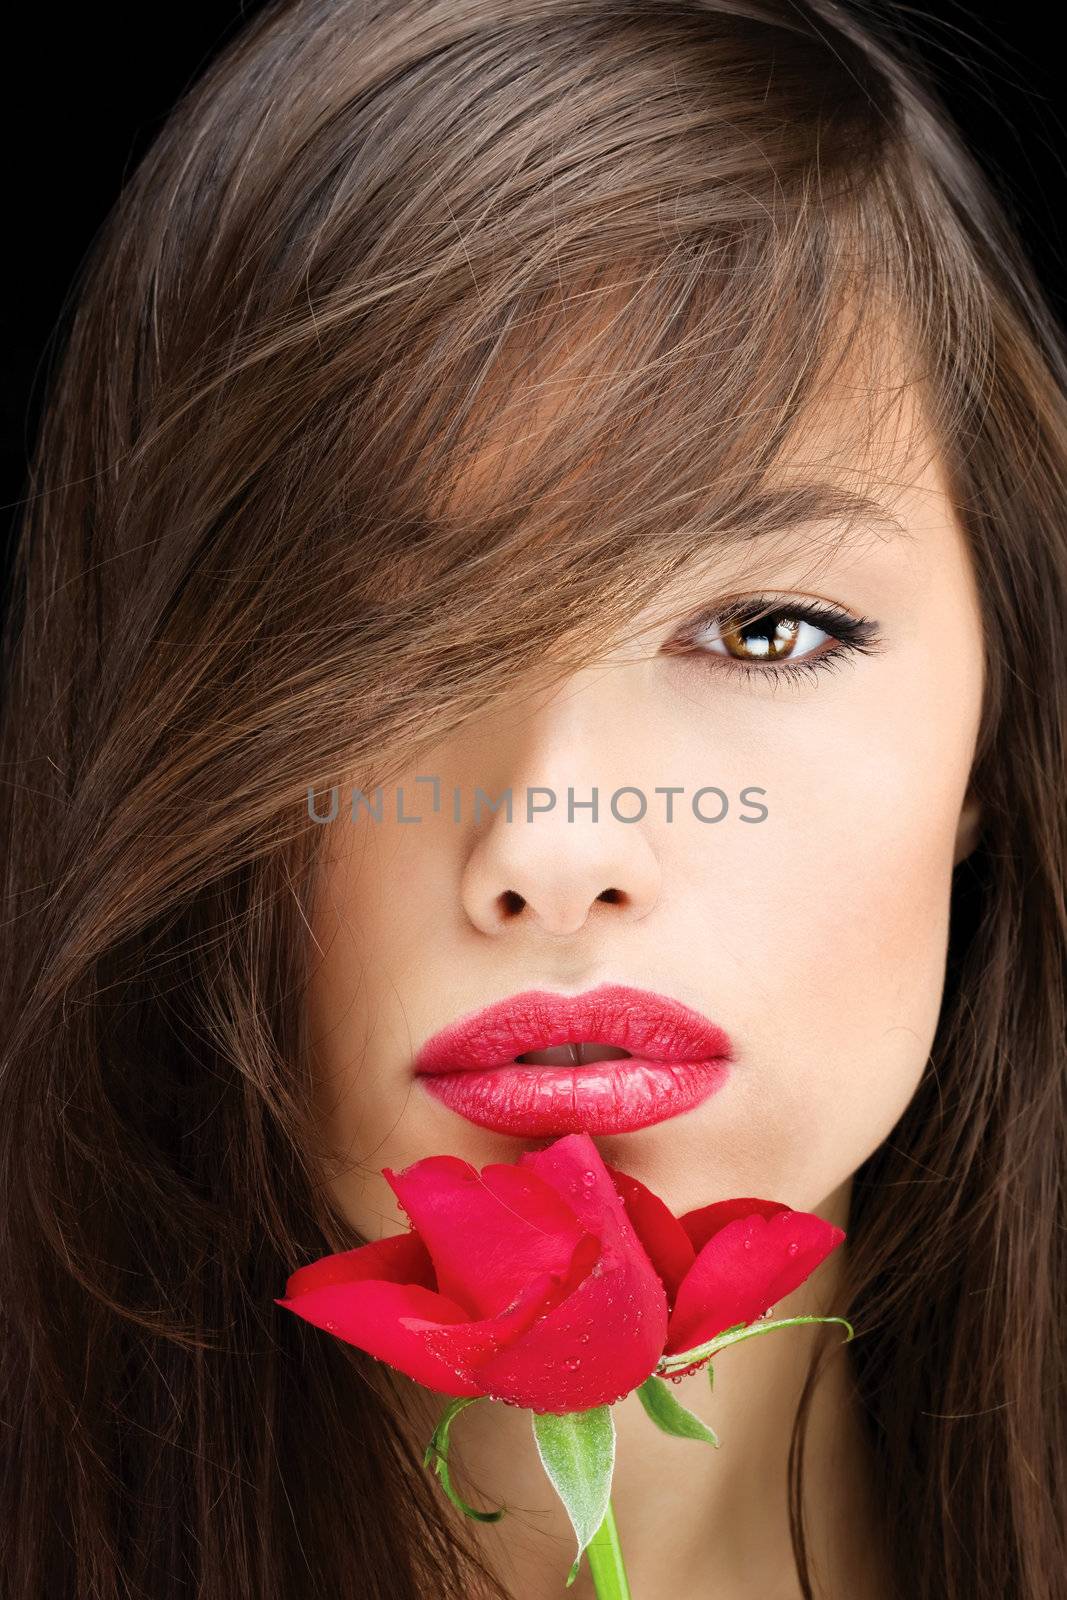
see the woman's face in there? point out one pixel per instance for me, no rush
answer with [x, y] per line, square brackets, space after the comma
[816, 937]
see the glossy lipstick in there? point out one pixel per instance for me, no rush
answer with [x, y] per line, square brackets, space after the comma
[669, 1059]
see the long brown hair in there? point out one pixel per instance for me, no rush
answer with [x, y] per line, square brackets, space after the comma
[242, 571]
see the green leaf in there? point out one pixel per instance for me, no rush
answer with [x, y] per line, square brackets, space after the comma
[683, 1358]
[437, 1452]
[667, 1414]
[577, 1451]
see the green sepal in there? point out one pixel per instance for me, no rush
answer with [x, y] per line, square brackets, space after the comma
[437, 1452]
[577, 1451]
[683, 1358]
[667, 1414]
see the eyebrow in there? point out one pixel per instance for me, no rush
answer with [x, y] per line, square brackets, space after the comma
[814, 500]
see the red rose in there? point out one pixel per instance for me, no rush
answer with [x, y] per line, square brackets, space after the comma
[555, 1283]
[725, 1263]
[525, 1282]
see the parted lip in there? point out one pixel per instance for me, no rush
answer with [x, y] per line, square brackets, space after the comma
[649, 1026]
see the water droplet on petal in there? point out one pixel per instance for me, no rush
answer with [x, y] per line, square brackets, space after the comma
[588, 1178]
[793, 1247]
[331, 1327]
[584, 1337]
[575, 1361]
[748, 1244]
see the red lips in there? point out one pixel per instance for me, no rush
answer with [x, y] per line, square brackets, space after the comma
[675, 1059]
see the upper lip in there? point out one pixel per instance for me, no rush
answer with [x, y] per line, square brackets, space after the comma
[644, 1023]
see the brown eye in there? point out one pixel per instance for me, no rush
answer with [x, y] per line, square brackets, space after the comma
[776, 636]
[761, 638]
[771, 639]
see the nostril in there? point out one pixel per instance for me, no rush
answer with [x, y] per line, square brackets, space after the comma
[511, 902]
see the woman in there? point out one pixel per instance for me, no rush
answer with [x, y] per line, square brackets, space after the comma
[538, 398]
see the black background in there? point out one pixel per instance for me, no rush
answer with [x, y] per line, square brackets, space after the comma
[92, 88]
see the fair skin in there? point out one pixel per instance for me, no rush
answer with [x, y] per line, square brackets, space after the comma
[817, 939]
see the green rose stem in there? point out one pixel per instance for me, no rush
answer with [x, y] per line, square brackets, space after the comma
[577, 1450]
[605, 1561]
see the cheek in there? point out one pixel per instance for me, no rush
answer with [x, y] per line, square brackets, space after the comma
[378, 912]
[346, 928]
[857, 875]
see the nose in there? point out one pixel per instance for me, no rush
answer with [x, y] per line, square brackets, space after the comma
[557, 884]
[568, 867]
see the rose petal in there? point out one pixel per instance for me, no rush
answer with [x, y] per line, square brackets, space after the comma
[487, 1233]
[666, 1243]
[596, 1346]
[562, 1364]
[745, 1267]
[574, 1168]
[400, 1258]
[369, 1313]
[425, 1335]
[605, 1338]
[707, 1220]
[472, 1346]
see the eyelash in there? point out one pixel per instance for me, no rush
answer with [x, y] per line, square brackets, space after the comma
[855, 635]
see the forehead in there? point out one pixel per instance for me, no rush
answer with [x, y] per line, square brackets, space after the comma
[859, 471]
[865, 467]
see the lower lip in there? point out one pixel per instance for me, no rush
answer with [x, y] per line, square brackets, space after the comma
[602, 1097]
